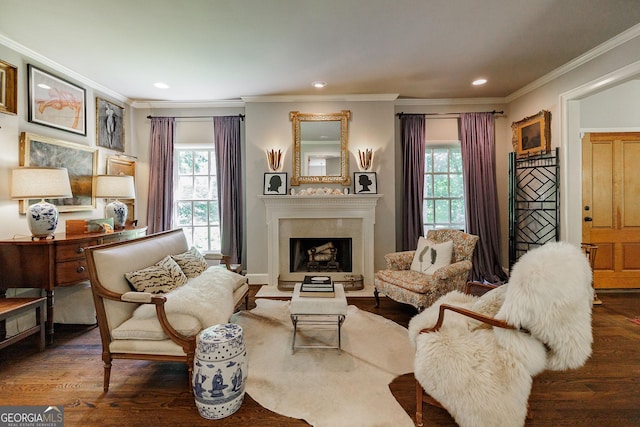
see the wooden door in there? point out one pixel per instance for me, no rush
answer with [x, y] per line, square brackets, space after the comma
[611, 206]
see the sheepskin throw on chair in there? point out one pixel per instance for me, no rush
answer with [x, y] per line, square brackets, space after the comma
[482, 375]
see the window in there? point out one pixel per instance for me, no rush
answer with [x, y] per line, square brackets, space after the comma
[443, 204]
[196, 197]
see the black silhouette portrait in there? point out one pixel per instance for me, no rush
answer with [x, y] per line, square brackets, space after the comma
[364, 182]
[275, 184]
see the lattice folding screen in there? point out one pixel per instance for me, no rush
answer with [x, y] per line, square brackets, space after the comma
[534, 202]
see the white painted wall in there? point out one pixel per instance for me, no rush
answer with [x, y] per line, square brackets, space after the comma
[11, 222]
[268, 127]
[565, 97]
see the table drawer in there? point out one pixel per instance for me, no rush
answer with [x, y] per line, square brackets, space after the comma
[69, 272]
[74, 250]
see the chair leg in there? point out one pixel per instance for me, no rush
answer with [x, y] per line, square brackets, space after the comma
[376, 294]
[107, 374]
[419, 404]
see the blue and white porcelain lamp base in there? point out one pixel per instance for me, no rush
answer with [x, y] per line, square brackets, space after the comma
[118, 211]
[42, 218]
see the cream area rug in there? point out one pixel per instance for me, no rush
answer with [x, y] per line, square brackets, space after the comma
[323, 386]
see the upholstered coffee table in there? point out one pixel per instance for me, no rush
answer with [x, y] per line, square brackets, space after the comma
[318, 311]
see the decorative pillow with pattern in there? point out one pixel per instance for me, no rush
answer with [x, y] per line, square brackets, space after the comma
[159, 278]
[431, 256]
[191, 262]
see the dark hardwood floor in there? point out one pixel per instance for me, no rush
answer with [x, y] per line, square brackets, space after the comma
[605, 392]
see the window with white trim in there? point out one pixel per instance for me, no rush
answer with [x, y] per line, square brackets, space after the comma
[196, 208]
[443, 200]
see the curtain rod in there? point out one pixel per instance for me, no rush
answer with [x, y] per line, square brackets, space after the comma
[445, 114]
[194, 117]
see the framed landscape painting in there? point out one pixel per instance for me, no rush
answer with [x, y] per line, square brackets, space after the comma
[532, 135]
[81, 163]
[55, 102]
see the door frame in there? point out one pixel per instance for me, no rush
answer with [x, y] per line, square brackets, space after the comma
[571, 134]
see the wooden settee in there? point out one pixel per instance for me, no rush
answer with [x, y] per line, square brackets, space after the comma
[167, 336]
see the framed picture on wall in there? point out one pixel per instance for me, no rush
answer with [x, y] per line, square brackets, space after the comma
[109, 125]
[532, 135]
[8, 88]
[55, 102]
[275, 183]
[365, 183]
[81, 163]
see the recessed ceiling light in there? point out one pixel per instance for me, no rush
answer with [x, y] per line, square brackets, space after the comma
[161, 85]
[44, 86]
[479, 82]
[319, 84]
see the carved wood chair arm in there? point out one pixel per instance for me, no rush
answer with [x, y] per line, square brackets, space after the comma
[465, 312]
[478, 288]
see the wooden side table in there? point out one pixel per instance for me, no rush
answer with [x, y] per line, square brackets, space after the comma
[47, 263]
[12, 306]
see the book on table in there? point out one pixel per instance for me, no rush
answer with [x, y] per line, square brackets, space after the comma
[317, 287]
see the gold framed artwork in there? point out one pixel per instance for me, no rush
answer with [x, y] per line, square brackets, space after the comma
[532, 135]
[109, 125]
[8, 88]
[121, 166]
[55, 102]
[81, 163]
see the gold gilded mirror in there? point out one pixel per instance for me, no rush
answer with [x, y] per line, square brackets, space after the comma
[320, 148]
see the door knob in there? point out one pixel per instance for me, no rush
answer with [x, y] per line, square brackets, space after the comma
[588, 219]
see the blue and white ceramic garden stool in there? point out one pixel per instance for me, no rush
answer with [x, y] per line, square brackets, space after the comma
[219, 371]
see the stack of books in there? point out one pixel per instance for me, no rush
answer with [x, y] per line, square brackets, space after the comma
[317, 287]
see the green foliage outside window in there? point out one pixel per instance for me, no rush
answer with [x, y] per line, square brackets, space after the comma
[443, 203]
[196, 198]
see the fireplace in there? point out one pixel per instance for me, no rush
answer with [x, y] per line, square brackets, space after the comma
[330, 217]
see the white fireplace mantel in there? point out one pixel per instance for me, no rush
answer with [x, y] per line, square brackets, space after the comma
[362, 207]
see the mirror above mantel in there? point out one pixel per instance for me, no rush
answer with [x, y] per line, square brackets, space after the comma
[320, 148]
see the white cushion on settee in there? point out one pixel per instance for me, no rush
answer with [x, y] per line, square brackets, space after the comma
[203, 301]
[150, 329]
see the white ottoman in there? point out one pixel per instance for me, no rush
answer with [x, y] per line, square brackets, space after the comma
[318, 311]
[219, 371]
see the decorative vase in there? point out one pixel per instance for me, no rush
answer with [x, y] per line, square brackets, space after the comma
[118, 211]
[43, 219]
[219, 371]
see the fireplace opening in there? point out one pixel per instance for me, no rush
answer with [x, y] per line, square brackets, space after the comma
[320, 254]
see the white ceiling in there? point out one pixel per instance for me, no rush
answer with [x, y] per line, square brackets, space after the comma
[209, 50]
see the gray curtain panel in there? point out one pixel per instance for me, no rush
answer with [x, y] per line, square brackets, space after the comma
[160, 203]
[481, 204]
[226, 130]
[413, 144]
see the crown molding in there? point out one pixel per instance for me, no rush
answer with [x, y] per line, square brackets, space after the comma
[590, 55]
[61, 69]
[232, 103]
[449, 101]
[323, 98]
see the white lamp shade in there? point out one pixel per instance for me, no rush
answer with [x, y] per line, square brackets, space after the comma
[40, 183]
[115, 187]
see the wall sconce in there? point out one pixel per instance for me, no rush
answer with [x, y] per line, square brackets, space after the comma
[41, 183]
[274, 159]
[365, 158]
[116, 187]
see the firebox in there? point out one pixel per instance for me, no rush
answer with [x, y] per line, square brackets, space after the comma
[320, 254]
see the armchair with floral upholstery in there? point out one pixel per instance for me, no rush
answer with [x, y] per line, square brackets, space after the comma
[418, 289]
